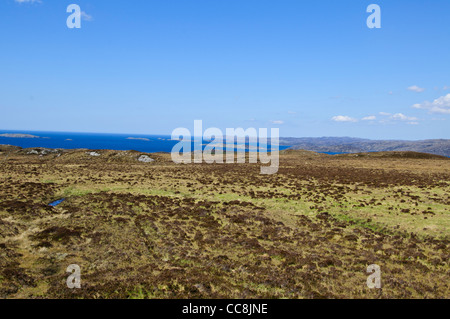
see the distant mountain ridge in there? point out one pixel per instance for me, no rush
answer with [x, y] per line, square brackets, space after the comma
[359, 145]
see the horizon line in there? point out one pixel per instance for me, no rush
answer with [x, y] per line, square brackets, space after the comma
[4, 131]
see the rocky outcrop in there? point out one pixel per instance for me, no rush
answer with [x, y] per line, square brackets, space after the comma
[95, 154]
[145, 159]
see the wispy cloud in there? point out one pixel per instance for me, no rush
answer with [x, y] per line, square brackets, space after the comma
[440, 105]
[415, 88]
[369, 118]
[28, 1]
[86, 16]
[277, 122]
[398, 117]
[343, 118]
[403, 117]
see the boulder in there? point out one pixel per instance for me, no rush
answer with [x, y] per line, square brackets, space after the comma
[145, 159]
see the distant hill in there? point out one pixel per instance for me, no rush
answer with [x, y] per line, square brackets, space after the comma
[358, 145]
[406, 154]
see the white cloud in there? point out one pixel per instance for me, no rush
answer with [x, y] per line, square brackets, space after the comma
[369, 118]
[415, 88]
[343, 118]
[278, 122]
[391, 118]
[86, 16]
[403, 117]
[440, 105]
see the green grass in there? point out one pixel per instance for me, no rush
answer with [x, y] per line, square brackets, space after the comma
[73, 191]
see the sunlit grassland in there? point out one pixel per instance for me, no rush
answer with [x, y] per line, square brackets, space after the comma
[383, 213]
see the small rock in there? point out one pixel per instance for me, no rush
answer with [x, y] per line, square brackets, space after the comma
[93, 154]
[200, 288]
[61, 256]
[145, 159]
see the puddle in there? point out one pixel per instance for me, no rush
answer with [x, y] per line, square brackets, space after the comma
[57, 202]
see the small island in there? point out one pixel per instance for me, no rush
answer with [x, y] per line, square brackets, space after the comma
[138, 138]
[11, 135]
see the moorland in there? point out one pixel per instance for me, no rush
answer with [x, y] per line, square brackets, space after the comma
[157, 229]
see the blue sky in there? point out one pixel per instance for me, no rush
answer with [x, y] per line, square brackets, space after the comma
[311, 68]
